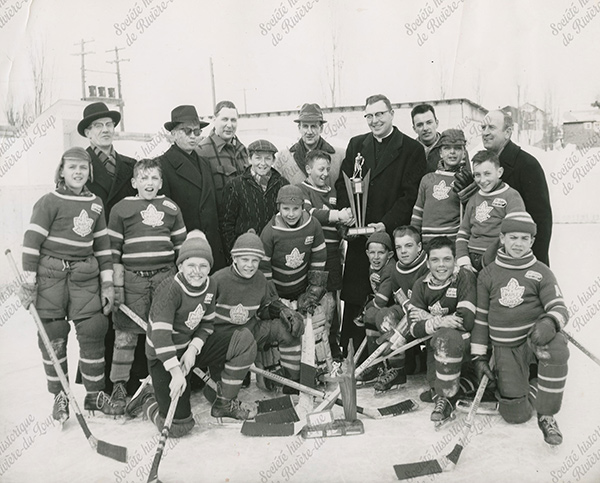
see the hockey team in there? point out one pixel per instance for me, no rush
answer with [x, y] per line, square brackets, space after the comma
[450, 260]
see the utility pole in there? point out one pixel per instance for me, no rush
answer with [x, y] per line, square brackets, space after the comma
[117, 61]
[83, 53]
[212, 83]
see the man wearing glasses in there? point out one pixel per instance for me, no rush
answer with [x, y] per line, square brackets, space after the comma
[397, 164]
[111, 182]
[188, 181]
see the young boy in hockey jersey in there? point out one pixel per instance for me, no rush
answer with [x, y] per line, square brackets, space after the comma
[320, 201]
[437, 209]
[397, 288]
[443, 304]
[146, 232]
[249, 200]
[181, 335]
[485, 210]
[68, 272]
[246, 300]
[520, 315]
[295, 257]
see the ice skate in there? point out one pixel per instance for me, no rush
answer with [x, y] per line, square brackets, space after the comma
[549, 427]
[487, 407]
[443, 412]
[229, 408]
[389, 380]
[99, 401]
[427, 396]
[369, 376]
[136, 404]
[119, 396]
[60, 410]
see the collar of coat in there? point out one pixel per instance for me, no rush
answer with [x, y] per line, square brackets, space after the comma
[509, 153]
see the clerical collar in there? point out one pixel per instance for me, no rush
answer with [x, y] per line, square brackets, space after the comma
[380, 140]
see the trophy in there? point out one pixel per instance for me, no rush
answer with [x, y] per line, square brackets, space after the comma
[358, 192]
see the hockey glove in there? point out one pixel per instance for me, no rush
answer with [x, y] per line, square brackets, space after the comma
[119, 298]
[543, 331]
[28, 294]
[482, 366]
[118, 283]
[293, 321]
[107, 297]
[317, 288]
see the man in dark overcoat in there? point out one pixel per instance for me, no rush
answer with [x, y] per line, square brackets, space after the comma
[187, 179]
[396, 163]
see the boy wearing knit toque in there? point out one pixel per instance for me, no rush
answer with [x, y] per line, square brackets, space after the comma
[245, 300]
[181, 335]
[520, 315]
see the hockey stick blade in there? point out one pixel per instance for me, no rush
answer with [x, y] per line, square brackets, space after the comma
[397, 409]
[113, 451]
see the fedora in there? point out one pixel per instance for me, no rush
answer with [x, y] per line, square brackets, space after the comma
[95, 111]
[184, 114]
[310, 113]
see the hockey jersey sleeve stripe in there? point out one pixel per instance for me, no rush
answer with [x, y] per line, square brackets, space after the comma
[103, 253]
[289, 284]
[38, 229]
[317, 264]
[142, 239]
[507, 340]
[99, 233]
[560, 318]
[115, 234]
[467, 305]
[165, 350]
[73, 243]
[318, 248]
[557, 301]
[181, 231]
[161, 326]
[482, 311]
[198, 343]
[31, 251]
[481, 322]
[171, 363]
[478, 349]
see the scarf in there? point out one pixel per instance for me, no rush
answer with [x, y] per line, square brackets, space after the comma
[300, 151]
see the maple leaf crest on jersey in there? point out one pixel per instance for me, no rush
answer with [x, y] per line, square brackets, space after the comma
[441, 190]
[512, 294]
[294, 259]
[437, 309]
[152, 217]
[195, 317]
[82, 224]
[482, 212]
[239, 314]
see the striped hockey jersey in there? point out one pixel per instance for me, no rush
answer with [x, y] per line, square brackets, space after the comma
[483, 216]
[319, 202]
[290, 252]
[180, 315]
[69, 227]
[381, 284]
[145, 234]
[458, 295]
[437, 209]
[511, 295]
[238, 299]
[404, 276]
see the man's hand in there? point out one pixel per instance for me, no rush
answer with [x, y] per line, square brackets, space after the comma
[178, 382]
[482, 366]
[450, 321]
[345, 217]
[379, 226]
[107, 296]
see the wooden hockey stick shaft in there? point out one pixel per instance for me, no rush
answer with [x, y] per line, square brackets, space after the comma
[153, 475]
[133, 316]
[581, 348]
[401, 349]
[118, 453]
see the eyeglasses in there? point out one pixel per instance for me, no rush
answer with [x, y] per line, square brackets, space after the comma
[188, 131]
[102, 125]
[377, 115]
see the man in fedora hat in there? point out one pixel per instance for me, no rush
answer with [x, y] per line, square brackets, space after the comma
[111, 182]
[222, 149]
[188, 181]
[291, 162]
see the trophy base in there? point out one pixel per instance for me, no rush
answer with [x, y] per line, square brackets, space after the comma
[363, 230]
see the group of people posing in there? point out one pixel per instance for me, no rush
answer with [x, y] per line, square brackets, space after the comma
[222, 250]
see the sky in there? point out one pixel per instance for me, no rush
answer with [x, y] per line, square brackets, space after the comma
[276, 55]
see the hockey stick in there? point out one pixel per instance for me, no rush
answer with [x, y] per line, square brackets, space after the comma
[581, 348]
[447, 462]
[402, 349]
[134, 317]
[153, 475]
[113, 451]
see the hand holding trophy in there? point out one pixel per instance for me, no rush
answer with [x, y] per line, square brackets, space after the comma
[358, 192]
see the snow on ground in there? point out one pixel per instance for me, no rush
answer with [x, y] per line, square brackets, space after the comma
[33, 448]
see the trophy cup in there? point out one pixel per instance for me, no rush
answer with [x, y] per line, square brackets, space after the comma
[358, 192]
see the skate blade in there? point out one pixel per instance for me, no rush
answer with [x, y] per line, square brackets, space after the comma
[227, 422]
[392, 389]
[485, 408]
[439, 425]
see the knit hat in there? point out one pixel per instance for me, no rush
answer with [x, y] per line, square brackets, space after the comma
[380, 237]
[195, 245]
[290, 194]
[452, 137]
[520, 222]
[248, 244]
[262, 145]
